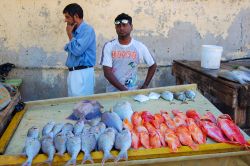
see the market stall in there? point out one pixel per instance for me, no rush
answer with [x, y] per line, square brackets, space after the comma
[38, 113]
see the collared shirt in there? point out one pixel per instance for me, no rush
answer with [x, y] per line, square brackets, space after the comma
[82, 47]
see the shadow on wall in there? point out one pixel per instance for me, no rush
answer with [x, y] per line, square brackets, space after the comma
[52, 83]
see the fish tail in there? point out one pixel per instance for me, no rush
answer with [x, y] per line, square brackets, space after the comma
[49, 162]
[106, 157]
[27, 163]
[71, 161]
[194, 146]
[121, 155]
[59, 154]
[87, 157]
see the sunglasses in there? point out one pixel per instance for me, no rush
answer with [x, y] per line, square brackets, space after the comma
[121, 22]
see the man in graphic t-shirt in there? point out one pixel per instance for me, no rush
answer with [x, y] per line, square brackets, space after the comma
[121, 57]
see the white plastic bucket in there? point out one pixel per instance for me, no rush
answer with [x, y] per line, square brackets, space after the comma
[211, 56]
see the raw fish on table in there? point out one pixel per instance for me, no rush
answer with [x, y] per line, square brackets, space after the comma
[86, 110]
[123, 109]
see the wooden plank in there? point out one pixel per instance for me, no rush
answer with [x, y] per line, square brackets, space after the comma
[6, 114]
[206, 84]
[6, 137]
[109, 95]
[141, 154]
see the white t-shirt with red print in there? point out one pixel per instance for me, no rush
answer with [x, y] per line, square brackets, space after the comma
[124, 60]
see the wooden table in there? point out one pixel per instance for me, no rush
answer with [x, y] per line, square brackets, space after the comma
[38, 113]
[7, 113]
[229, 97]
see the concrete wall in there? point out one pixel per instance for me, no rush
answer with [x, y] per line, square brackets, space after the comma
[32, 36]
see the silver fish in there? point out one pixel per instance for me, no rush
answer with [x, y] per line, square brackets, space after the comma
[154, 96]
[48, 147]
[57, 128]
[190, 94]
[73, 146]
[78, 127]
[60, 143]
[86, 128]
[124, 110]
[235, 75]
[180, 96]
[31, 149]
[88, 145]
[48, 128]
[106, 142]
[33, 132]
[98, 129]
[93, 122]
[167, 95]
[123, 142]
[67, 127]
[111, 119]
[141, 98]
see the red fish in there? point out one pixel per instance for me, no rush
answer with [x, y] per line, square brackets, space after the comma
[192, 113]
[213, 131]
[172, 140]
[135, 140]
[158, 120]
[179, 114]
[136, 119]
[154, 140]
[127, 124]
[179, 121]
[231, 130]
[209, 116]
[143, 136]
[185, 137]
[149, 127]
[198, 136]
[168, 120]
[147, 116]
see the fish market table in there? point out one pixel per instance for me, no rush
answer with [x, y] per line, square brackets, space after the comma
[230, 97]
[38, 113]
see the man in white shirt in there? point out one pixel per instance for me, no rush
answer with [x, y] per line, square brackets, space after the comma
[121, 57]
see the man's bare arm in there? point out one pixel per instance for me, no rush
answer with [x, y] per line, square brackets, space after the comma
[150, 74]
[112, 79]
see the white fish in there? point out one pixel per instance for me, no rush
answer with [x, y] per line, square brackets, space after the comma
[154, 96]
[235, 75]
[111, 119]
[88, 145]
[48, 147]
[73, 146]
[33, 132]
[106, 142]
[190, 94]
[123, 142]
[141, 98]
[124, 110]
[60, 143]
[57, 128]
[48, 128]
[78, 127]
[167, 95]
[31, 149]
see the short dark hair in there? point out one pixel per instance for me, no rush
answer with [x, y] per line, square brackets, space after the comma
[73, 9]
[124, 16]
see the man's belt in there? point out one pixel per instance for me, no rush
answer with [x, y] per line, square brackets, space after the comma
[79, 68]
